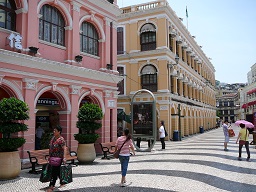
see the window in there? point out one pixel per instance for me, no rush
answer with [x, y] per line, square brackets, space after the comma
[149, 78]
[51, 25]
[120, 85]
[177, 49]
[148, 37]
[7, 14]
[120, 40]
[89, 39]
[171, 43]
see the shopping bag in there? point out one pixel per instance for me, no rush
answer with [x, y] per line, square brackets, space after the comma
[46, 173]
[231, 133]
[66, 174]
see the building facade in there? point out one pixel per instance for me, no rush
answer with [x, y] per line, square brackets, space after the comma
[248, 97]
[156, 52]
[56, 55]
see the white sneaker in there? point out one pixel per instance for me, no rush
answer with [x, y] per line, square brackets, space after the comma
[123, 185]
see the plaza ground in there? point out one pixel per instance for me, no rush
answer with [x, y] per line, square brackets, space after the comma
[197, 163]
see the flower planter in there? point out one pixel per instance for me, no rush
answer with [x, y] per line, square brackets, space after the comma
[86, 153]
[10, 165]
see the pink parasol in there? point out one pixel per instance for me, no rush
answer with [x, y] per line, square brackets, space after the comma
[247, 123]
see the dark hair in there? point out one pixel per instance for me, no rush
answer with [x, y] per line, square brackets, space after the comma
[162, 122]
[225, 121]
[242, 125]
[127, 133]
[58, 128]
[38, 124]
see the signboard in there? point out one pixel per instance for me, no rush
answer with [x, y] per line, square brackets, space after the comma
[47, 101]
[15, 41]
[142, 119]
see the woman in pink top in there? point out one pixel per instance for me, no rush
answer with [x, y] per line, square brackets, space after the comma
[124, 155]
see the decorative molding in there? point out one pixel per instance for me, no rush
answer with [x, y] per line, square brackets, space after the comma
[1, 78]
[76, 6]
[30, 83]
[22, 10]
[54, 86]
[107, 93]
[75, 89]
[24, 60]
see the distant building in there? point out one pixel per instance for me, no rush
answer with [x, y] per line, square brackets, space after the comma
[150, 37]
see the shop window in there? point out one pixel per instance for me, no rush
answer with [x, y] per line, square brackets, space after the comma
[149, 78]
[7, 14]
[148, 37]
[120, 85]
[89, 39]
[51, 25]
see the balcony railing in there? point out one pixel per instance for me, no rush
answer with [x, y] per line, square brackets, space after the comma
[145, 6]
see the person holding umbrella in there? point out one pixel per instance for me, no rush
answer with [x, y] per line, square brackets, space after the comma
[243, 140]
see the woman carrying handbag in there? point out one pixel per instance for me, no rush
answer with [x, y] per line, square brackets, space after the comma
[124, 143]
[243, 138]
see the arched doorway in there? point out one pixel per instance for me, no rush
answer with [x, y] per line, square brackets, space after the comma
[49, 107]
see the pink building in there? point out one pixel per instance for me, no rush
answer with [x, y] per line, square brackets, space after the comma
[55, 55]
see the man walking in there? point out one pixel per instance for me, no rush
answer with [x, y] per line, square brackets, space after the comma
[226, 135]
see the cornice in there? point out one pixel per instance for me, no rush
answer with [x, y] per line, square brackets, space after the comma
[57, 67]
[110, 9]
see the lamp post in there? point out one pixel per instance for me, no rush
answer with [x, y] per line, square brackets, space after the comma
[169, 66]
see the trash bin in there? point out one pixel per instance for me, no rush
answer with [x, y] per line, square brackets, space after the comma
[201, 129]
[175, 135]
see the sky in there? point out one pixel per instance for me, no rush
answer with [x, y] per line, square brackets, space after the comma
[226, 30]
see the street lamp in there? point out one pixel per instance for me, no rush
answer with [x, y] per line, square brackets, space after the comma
[170, 65]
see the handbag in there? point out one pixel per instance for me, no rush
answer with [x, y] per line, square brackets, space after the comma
[116, 153]
[55, 161]
[46, 173]
[165, 132]
[231, 133]
[66, 174]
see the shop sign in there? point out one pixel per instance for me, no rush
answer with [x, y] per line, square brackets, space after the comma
[15, 41]
[47, 101]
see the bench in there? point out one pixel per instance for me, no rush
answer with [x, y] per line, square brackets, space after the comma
[107, 148]
[40, 157]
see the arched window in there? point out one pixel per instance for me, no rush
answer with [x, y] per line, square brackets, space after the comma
[149, 78]
[89, 39]
[148, 37]
[7, 14]
[51, 25]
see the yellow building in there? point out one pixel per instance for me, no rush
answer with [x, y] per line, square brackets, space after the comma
[157, 52]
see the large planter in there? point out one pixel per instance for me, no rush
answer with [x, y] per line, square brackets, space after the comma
[86, 153]
[10, 165]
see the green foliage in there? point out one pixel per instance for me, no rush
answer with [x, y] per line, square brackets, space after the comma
[11, 144]
[46, 138]
[86, 138]
[12, 127]
[90, 112]
[12, 111]
[89, 116]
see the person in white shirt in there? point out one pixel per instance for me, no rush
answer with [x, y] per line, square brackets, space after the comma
[162, 134]
[39, 133]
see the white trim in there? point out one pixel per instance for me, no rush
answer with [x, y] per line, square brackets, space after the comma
[97, 96]
[95, 21]
[14, 88]
[59, 90]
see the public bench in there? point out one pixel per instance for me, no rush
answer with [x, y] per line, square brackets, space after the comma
[107, 149]
[40, 157]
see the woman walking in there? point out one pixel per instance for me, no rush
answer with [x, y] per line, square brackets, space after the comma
[243, 138]
[124, 155]
[56, 156]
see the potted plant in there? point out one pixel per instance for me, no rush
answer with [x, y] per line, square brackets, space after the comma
[89, 116]
[12, 112]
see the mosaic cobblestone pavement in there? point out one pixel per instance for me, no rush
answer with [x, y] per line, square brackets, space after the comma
[198, 163]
